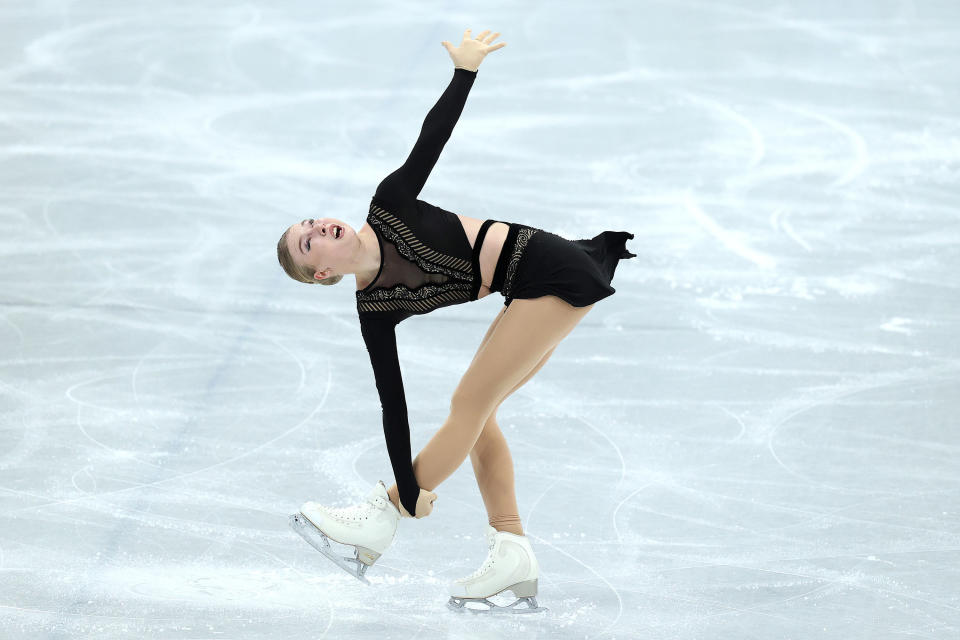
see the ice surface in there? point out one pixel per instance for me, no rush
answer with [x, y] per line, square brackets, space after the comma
[755, 437]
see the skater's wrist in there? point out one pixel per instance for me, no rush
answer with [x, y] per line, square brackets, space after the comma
[424, 505]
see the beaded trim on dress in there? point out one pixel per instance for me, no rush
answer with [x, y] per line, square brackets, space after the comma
[426, 297]
[523, 237]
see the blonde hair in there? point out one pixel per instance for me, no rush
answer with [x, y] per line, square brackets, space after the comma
[299, 272]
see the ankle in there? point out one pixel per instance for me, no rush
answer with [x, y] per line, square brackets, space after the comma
[508, 523]
[516, 530]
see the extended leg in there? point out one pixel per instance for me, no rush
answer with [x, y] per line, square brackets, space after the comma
[491, 459]
[394, 492]
[528, 330]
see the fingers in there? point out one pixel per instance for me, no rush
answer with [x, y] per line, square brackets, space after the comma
[483, 38]
[425, 503]
[483, 34]
[487, 40]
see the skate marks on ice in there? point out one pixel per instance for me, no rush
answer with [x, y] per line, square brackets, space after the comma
[781, 471]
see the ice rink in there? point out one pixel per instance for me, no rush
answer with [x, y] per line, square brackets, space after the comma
[755, 437]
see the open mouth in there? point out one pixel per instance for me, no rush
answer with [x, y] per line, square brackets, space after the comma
[337, 232]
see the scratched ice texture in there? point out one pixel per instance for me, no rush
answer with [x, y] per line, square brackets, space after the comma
[755, 437]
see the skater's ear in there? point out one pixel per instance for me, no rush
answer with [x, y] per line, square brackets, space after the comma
[296, 270]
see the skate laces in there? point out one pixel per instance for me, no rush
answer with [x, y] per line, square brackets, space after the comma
[358, 511]
[491, 543]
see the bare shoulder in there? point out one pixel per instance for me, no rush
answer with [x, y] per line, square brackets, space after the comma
[469, 220]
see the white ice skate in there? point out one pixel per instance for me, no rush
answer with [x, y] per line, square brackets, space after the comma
[368, 527]
[510, 566]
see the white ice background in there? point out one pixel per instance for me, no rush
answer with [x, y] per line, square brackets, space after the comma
[755, 437]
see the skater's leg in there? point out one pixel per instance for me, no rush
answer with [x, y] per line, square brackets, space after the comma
[528, 330]
[394, 492]
[493, 467]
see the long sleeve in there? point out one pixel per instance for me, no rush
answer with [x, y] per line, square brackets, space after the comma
[380, 337]
[407, 181]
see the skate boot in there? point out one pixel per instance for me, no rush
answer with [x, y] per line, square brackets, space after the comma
[367, 527]
[510, 566]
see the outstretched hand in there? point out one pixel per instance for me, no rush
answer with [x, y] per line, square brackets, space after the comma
[472, 51]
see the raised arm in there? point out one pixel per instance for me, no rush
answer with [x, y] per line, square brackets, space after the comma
[406, 182]
[380, 337]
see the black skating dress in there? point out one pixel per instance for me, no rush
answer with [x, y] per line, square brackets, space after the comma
[426, 262]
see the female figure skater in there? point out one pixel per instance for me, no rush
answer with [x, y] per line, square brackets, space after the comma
[409, 259]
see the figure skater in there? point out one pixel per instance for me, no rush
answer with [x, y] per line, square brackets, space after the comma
[411, 258]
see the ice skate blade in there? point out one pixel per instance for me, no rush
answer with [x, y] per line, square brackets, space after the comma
[317, 539]
[460, 605]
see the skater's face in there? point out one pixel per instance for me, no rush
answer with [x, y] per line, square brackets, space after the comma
[326, 245]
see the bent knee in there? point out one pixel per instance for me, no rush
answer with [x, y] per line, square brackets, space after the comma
[476, 404]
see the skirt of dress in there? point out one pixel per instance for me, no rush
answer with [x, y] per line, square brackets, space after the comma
[535, 262]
